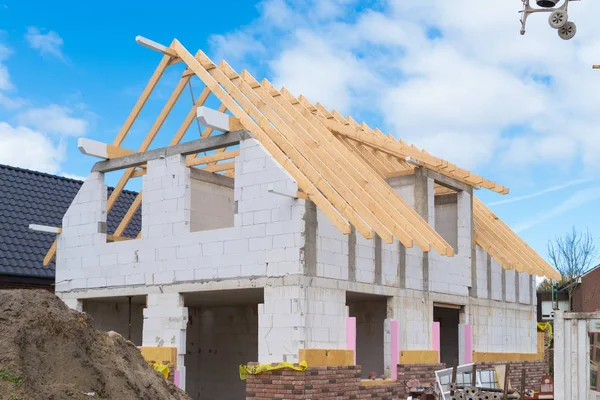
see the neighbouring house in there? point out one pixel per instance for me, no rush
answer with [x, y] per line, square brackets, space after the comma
[545, 306]
[285, 232]
[586, 296]
[30, 197]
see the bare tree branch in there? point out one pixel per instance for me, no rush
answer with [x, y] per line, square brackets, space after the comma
[572, 256]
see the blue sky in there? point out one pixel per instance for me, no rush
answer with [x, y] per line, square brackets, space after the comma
[455, 78]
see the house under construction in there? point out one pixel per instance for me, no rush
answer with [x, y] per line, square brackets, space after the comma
[286, 230]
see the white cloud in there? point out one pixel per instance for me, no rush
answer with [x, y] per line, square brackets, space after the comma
[47, 43]
[54, 119]
[576, 200]
[478, 93]
[27, 148]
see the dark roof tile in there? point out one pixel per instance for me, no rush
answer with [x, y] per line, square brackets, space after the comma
[30, 197]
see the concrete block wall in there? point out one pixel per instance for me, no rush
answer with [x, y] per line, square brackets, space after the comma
[269, 246]
[453, 274]
[298, 317]
[481, 257]
[414, 315]
[332, 249]
[503, 327]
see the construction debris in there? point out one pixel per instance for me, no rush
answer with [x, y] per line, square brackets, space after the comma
[48, 351]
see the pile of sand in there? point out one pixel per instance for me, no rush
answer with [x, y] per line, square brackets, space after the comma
[48, 351]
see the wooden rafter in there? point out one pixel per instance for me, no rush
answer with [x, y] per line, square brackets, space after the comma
[338, 163]
[258, 132]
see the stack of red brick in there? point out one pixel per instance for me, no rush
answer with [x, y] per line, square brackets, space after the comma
[533, 375]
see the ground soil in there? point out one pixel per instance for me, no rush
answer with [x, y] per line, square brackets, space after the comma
[50, 352]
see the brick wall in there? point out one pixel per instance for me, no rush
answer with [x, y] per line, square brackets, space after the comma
[425, 373]
[332, 382]
[533, 375]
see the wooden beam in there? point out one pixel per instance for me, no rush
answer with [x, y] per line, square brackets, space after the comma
[101, 150]
[189, 118]
[219, 167]
[217, 120]
[114, 238]
[138, 173]
[258, 133]
[134, 160]
[213, 158]
[50, 254]
[162, 66]
[304, 156]
[129, 215]
[410, 220]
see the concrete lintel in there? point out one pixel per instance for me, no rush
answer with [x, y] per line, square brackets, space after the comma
[449, 182]
[209, 177]
[195, 146]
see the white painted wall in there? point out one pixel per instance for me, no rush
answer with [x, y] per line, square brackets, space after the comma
[219, 339]
[212, 206]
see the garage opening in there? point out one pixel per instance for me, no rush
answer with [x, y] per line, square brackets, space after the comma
[370, 312]
[123, 315]
[222, 333]
[449, 319]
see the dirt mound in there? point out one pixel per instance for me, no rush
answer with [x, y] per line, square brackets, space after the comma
[48, 351]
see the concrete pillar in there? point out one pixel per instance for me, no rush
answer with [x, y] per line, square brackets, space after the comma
[165, 324]
[422, 207]
[465, 344]
[391, 349]
[352, 255]
[166, 202]
[489, 276]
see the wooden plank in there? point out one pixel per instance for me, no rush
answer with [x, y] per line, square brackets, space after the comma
[219, 167]
[303, 156]
[411, 221]
[312, 192]
[129, 215]
[316, 152]
[395, 148]
[510, 240]
[138, 173]
[134, 160]
[213, 158]
[50, 254]
[162, 66]
[151, 44]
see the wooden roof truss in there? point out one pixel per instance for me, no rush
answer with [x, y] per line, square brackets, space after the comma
[338, 163]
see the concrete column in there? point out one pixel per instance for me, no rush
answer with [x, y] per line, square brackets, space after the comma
[310, 239]
[517, 287]
[165, 324]
[532, 290]
[391, 352]
[489, 276]
[422, 207]
[166, 202]
[503, 284]
[352, 255]
[401, 266]
[378, 255]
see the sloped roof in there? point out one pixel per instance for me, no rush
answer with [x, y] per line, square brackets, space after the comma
[339, 164]
[30, 197]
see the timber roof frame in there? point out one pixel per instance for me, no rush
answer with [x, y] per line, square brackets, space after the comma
[338, 163]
